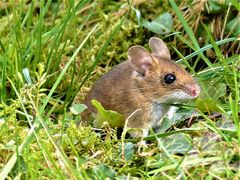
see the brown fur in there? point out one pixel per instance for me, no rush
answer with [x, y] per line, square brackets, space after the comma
[125, 90]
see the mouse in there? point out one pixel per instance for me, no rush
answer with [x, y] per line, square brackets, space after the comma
[143, 88]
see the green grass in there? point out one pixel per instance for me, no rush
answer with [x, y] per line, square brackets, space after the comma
[50, 55]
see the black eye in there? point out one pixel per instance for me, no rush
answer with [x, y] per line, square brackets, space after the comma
[169, 78]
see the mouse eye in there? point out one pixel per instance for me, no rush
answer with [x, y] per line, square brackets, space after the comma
[169, 78]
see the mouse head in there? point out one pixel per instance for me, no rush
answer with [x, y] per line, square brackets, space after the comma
[159, 78]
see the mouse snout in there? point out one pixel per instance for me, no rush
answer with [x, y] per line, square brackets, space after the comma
[194, 90]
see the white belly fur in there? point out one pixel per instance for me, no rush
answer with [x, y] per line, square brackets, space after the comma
[159, 111]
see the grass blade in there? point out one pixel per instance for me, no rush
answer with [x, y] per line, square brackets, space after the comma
[65, 69]
[189, 32]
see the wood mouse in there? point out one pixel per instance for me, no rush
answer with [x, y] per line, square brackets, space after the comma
[147, 82]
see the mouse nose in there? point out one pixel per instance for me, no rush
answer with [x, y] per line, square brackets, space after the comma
[194, 90]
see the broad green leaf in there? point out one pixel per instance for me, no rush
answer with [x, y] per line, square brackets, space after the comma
[161, 25]
[101, 172]
[77, 108]
[128, 151]
[214, 91]
[165, 124]
[180, 115]
[113, 118]
[210, 93]
[207, 105]
[216, 6]
[177, 143]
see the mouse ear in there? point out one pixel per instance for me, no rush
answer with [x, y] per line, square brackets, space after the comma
[159, 48]
[140, 59]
